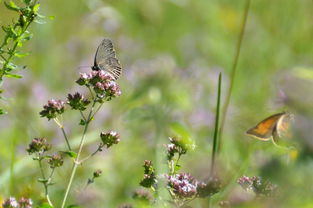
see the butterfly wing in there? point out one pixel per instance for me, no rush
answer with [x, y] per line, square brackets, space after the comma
[264, 129]
[282, 126]
[105, 59]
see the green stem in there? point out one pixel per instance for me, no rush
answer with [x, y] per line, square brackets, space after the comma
[217, 115]
[233, 72]
[66, 139]
[76, 162]
[91, 155]
[45, 184]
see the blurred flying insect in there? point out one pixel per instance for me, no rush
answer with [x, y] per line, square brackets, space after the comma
[105, 59]
[273, 127]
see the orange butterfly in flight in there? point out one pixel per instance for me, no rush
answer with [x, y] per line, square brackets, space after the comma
[273, 127]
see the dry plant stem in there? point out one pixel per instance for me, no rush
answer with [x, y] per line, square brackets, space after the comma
[76, 162]
[233, 72]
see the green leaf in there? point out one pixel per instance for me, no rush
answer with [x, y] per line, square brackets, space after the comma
[72, 154]
[12, 6]
[82, 122]
[51, 17]
[36, 8]
[179, 130]
[10, 67]
[177, 168]
[16, 76]
[20, 54]
[42, 180]
[45, 205]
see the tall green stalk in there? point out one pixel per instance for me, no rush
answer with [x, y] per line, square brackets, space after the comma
[77, 161]
[233, 72]
[217, 115]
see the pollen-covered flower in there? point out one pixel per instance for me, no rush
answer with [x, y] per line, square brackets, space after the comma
[25, 203]
[39, 145]
[110, 138]
[52, 109]
[212, 186]
[10, 203]
[77, 101]
[56, 160]
[183, 185]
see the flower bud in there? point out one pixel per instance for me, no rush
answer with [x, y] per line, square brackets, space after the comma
[52, 109]
[110, 138]
[56, 160]
[77, 101]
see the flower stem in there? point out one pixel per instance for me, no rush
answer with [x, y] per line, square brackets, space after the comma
[66, 139]
[45, 183]
[233, 72]
[76, 162]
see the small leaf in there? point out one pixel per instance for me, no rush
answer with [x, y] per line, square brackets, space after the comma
[16, 76]
[70, 154]
[177, 168]
[20, 54]
[36, 8]
[12, 6]
[51, 17]
[82, 122]
[42, 180]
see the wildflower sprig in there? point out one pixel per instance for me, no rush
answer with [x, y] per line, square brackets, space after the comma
[39, 147]
[102, 87]
[16, 34]
[177, 147]
[21, 203]
[182, 187]
[260, 187]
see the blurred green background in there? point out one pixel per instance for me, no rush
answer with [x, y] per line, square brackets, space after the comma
[171, 52]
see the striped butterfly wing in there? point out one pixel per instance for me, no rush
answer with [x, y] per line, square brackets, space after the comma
[265, 129]
[105, 59]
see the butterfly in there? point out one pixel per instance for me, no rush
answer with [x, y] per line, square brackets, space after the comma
[273, 127]
[105, 59]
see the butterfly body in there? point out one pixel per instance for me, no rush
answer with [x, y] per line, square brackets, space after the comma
[105, 59]
[272, 127]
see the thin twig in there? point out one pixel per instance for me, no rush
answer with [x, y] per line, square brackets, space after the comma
[91, 155]
[66, 139]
